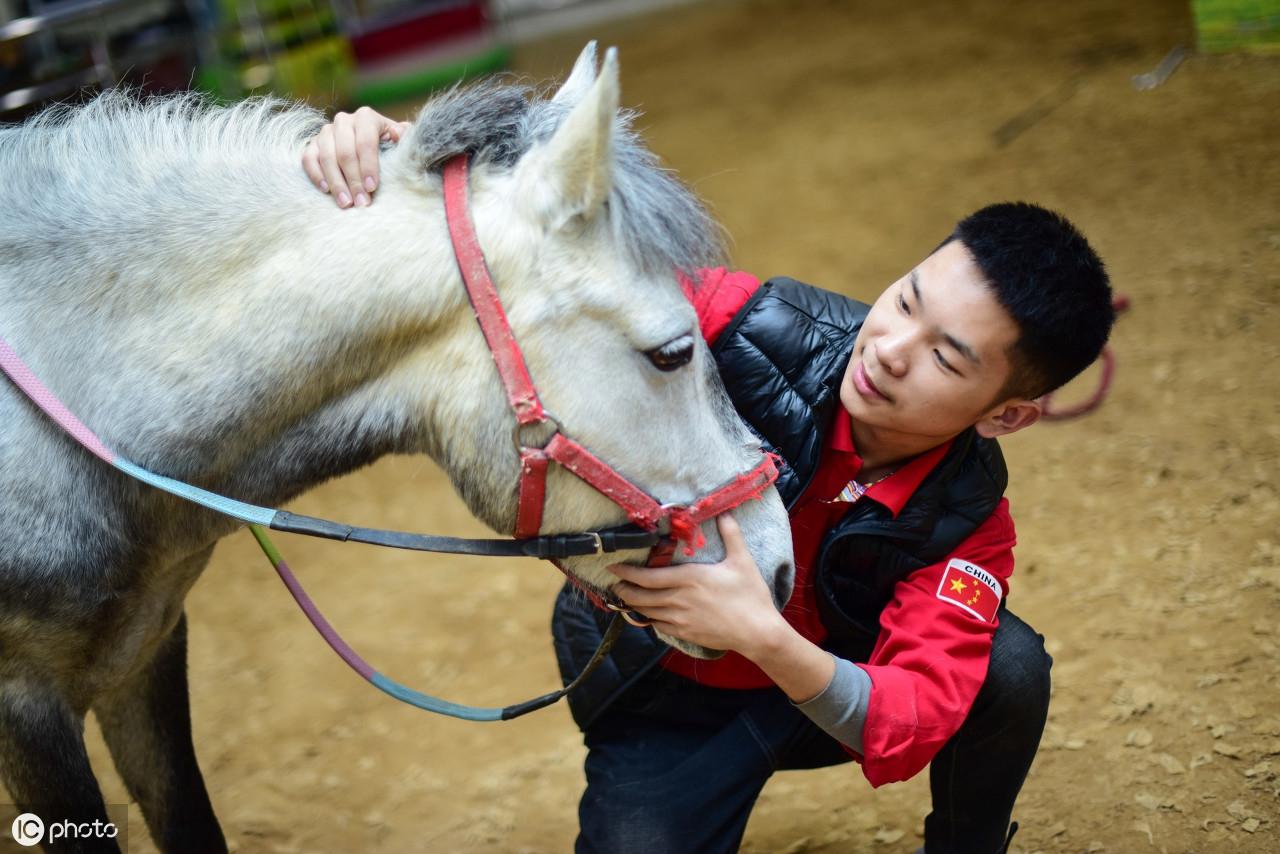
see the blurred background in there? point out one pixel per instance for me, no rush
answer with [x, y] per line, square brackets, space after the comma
[337, 53]
[331, 53]
[837, 141]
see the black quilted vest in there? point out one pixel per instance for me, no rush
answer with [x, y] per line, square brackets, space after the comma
[782, 359]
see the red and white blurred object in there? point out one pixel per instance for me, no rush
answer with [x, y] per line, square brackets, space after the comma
[525, 20]
[404, 49]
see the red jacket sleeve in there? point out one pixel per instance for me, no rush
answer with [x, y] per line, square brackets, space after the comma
[716, 296]
[931, 658]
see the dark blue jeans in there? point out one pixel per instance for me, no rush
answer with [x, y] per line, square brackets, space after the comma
[676, 767]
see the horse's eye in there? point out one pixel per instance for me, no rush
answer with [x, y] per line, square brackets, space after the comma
[673, 355]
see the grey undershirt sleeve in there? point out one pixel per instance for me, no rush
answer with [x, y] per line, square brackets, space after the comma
[841, 709]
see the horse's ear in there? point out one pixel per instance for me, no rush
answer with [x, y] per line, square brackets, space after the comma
[580, 79]
[571, 174]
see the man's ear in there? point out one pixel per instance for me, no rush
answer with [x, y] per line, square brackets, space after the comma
[1009, 417]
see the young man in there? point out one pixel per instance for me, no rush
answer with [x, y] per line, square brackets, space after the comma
[896, 649]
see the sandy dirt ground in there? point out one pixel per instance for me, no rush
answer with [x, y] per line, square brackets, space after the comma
[838, 142]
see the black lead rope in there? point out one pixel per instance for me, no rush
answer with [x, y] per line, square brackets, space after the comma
[546, 547]
[616, 626]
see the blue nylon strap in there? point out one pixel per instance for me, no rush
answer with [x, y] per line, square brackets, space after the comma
[237, 509]
[433, 704]
[476, 713]
[263, 516]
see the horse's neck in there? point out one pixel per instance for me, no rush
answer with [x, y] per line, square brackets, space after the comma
[339, 322]
[267, 372]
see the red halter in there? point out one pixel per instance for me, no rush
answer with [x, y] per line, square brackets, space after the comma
[642, 509]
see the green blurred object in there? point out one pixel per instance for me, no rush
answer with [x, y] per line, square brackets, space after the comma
[376, 90]
[1229, 25]
[292, 48]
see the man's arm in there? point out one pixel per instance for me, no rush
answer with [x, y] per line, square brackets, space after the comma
[922, 678]
[933, 651]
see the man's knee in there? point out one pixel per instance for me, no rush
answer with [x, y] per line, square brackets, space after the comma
[1018, 679]
[632, 819]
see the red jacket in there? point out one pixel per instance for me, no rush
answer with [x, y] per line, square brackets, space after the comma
[932, 653]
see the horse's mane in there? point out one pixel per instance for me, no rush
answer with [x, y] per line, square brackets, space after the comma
[171, 176]
[71, 156]
[121, 122]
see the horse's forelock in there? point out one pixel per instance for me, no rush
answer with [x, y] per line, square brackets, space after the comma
[661, 224]
[484, 120]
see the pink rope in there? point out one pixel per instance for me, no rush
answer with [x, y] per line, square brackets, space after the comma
[1120, 303]
[18, 371]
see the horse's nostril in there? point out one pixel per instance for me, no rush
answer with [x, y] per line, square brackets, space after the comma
[783, 580]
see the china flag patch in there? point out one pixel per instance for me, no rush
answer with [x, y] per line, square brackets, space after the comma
[972, 588]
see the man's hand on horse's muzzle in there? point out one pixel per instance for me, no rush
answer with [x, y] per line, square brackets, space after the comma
[725, 605]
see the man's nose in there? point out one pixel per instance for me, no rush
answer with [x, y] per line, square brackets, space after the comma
[891, 353]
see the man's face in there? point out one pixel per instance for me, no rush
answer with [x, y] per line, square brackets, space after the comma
[933, 352]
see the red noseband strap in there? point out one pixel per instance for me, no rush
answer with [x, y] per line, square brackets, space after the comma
[641, 508]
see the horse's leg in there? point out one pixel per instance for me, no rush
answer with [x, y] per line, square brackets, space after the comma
[43, 762]
[146, 723]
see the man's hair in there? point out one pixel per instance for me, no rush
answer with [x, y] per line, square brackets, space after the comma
[1053, 285]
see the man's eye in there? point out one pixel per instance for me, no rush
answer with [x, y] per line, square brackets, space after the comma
[902, 304]
[942, 360]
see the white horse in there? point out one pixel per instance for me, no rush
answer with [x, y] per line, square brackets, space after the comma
[166, 268]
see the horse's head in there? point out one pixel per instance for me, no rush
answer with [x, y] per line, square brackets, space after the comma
[585, 237]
